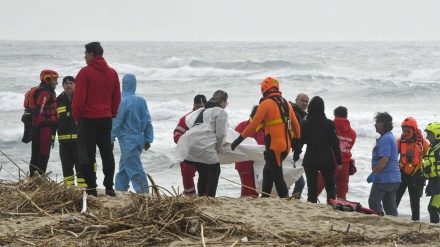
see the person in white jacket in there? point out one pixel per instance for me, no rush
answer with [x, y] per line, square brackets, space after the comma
[205, 140]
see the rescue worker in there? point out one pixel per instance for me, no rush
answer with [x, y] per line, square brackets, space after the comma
[66, 130]
[44, 120]
[323, 152]
[205, 140]
[245, 169]
[431, 170]
[299, 108]
[385, 174]
[134, 131]
[188, 170]
[96, 103]
[280, 127]
[412, 149]
[347, 138]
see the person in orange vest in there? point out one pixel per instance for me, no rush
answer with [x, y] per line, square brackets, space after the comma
[245, 169]
[281, 128]
[44, 121]
[412, 149]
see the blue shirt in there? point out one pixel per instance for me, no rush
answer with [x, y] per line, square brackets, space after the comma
[386, 146]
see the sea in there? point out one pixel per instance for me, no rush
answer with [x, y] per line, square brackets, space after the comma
[401, 78]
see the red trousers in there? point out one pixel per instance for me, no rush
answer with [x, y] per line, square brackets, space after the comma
[246, 171]
[188, 172]
[341, 179]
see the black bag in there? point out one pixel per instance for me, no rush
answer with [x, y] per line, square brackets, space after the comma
[27, 120]
[352, 167]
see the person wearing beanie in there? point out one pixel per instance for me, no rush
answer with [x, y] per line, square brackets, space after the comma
[134, 131]
[206, 138]
[44, 121]
[188, 170]
[96, 103]
[67, 135]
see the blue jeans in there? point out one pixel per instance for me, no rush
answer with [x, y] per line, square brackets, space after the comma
[299, 185]
[384, 193]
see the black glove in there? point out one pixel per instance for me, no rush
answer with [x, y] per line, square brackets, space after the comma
[237, 142]
[295, 156]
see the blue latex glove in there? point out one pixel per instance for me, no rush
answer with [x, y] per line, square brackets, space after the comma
[371, 178]
[52, 144]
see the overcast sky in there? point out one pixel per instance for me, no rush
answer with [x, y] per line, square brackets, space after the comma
[219, 20]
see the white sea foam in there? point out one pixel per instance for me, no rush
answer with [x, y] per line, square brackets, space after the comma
[10, 101]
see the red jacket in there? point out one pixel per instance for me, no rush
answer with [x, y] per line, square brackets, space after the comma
[97, 91]
[347, 137]
[180, 129]
[258, 136]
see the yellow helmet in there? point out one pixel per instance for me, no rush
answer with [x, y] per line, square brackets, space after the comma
[434, 127]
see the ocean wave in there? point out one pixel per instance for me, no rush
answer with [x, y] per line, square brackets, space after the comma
[175, 62]
[10, 101]
[419, 76]
[179, 72]
[11, 135]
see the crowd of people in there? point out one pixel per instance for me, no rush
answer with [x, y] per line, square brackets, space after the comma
[92, 112]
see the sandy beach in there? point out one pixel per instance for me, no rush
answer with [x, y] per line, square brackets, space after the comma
[31, 216]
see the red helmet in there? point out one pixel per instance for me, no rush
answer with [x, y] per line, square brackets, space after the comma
[268, 83]
[48, 75]
[410, 122]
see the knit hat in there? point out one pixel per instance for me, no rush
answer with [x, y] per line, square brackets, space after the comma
[68, 78]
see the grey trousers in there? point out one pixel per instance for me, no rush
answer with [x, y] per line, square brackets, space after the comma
[384, 193]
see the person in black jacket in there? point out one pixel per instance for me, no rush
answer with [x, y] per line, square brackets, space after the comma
[319, 133]
[299, 108]
[66, 130]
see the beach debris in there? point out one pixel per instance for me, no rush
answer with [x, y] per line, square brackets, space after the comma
[149, 220]
[84, 207]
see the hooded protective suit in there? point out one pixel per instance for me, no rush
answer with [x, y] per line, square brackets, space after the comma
[133, 129]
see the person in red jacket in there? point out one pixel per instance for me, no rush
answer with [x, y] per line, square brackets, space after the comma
[96, 102]
[347, 138]
[44, 121]
[246, 168]
[188, 170]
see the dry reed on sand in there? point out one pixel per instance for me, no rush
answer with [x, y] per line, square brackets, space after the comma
[147, 220]
[40, 195]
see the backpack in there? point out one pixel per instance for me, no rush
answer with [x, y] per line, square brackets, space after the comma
[29, 105]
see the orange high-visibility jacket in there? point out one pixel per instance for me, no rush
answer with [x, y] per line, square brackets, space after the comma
[268, 114]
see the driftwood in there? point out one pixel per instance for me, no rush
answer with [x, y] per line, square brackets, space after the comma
[153, 220]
